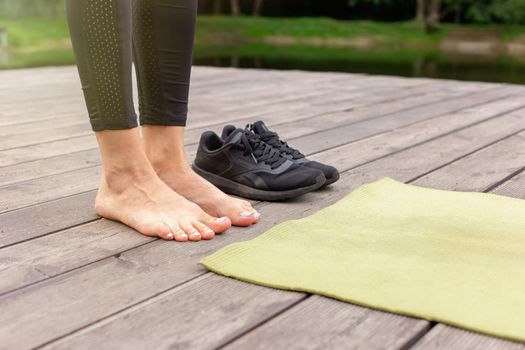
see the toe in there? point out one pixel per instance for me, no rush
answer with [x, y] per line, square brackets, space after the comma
[218, 225]
[179, 234]
[155, 230]
[192, 232]
[205, 231]
[245, 218]
[164, 232]
[257, 216]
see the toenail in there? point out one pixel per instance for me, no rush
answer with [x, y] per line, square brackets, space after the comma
[196, 234]
[256, 214]
[169, 235]
[209, 230]
[183, 235]
[222, 218]
[246, 214]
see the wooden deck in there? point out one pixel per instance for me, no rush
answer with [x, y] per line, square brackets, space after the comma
[69, 280]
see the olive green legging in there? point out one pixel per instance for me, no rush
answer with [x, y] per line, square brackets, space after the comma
[158, 34]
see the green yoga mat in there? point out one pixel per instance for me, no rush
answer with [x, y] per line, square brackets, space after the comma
[452, 257]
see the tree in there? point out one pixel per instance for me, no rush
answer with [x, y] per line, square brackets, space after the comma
[427, 11]
[503, 11]
[217, 7]
[433, 17]
[421, 10]
[508, 11]
[235, 8]
[432, 12]
[257, 6]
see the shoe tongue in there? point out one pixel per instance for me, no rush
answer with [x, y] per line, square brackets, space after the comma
[260, 128]
[234, 136]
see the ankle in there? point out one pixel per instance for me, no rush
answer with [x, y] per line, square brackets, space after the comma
[129, 172]
[124, 161]
[164, 147]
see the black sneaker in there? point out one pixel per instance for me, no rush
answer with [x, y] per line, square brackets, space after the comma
[270, 137]
[242, 164]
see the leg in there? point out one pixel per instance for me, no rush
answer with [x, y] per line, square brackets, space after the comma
[163, 45]
[130, 190]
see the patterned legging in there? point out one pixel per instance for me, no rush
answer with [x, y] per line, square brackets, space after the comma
[158, 35]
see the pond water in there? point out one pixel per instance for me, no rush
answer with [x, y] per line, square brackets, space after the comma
[399, 62]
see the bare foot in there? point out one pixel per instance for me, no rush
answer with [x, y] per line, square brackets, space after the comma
[145, 203]
[132, 193]
[187, 183]
[165, 151]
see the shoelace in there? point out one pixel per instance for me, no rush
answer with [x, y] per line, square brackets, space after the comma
[272, 138]
[259, 150]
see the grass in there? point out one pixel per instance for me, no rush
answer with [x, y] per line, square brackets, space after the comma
[37, 42]
[29, 32]
[35, 32]
[249, 27]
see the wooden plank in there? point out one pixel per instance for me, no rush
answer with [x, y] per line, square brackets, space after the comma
[60, 147]
[41, 126]
[359, 106]
[49, 166]
[47, 150]
[48, 188]
[32, 138]
[44, 104]
[352, 128]
[78, 160]
[322, 323]
[234, 305]
[79, 246]
[41, 219]
[433, 154]
[449, 338]
[164, 264]
[79, 126]
[291, 129]
[53, 89]
[367, 150]
[332, 137]
[28, 153]
[482, 169]
[29, 113]
[514, 187]
[37, 111]
[40, 107]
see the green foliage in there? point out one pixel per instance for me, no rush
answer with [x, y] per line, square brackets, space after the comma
[248, 28]
[495, 11]
[508, 11]
[473, 11]
[32, 8]
[36, 32]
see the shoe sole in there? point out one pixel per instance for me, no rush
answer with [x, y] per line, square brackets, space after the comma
[241, 190]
